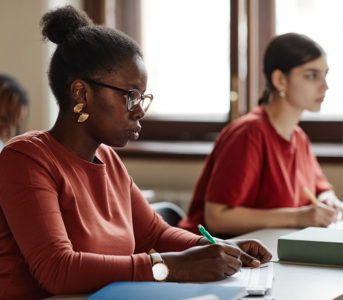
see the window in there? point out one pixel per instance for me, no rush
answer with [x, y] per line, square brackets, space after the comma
[168, 30]
[186, 51]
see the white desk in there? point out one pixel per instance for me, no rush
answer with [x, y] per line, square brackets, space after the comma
[291, 281]
[297, 281]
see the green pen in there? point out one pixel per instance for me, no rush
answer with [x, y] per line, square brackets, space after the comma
[209, 237]
[205, 233]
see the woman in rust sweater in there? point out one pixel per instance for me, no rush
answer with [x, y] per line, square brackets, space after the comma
[71, 219]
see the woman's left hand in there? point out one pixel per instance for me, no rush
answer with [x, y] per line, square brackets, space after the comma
[253, 253]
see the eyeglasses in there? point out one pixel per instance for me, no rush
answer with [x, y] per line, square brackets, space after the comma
[132, 97]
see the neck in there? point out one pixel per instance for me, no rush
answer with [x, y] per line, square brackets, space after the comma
[283, 116]
[73, 137]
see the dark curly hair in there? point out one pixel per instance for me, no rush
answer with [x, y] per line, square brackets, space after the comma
[284, 53]
[83, 49]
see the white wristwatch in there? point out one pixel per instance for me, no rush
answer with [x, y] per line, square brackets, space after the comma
[160, 270]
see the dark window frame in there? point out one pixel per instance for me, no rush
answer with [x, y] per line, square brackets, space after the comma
[258, 17]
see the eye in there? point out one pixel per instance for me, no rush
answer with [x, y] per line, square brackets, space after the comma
[134, 96]
[311, 75]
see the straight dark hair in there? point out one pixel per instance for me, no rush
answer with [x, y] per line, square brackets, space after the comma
[284, 53]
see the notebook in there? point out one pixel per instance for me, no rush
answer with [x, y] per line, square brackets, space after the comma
[312, 245]
[257, 281]
[147, 290]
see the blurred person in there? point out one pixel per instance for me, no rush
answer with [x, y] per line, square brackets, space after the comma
[256, 174]
[13, 105]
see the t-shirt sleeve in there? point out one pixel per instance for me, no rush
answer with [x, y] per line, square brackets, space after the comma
[237, 167]
[152, 232]
[29, 201]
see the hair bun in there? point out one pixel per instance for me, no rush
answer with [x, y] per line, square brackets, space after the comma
[59, 23]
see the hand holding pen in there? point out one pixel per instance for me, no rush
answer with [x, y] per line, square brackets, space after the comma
[213, 259]
[262, 255]
[319, 214]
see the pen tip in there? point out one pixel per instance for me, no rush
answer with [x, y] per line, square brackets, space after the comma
[199, 225]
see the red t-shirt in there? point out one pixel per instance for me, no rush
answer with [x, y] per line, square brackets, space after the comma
[251, 165]
[71, 226]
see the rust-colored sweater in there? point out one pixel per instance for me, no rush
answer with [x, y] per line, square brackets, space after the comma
[71, 226]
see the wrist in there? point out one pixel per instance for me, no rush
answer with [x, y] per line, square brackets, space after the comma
[160, 270]
[285, 217]
[296, 217]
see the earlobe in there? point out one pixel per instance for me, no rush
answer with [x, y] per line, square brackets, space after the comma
[279, 80]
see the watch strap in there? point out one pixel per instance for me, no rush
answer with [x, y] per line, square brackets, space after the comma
[156, 258]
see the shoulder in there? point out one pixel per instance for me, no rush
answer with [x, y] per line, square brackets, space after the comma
[28, 152]
[302, 142]
[31, 140]
[301, 136]
[252, 126]
[107, 154]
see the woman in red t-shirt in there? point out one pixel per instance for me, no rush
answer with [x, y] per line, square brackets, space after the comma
[261, 163]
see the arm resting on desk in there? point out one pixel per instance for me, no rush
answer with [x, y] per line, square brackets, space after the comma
[221, 219]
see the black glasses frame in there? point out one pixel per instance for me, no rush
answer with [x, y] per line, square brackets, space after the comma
[141, 98]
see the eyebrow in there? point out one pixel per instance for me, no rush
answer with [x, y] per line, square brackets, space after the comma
[315, 70]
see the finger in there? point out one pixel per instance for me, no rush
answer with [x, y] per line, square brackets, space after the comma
[324, 221]
[262, 253]
[266, 256]
[249, 260]
[256, 249]
[232, 265]
[326, 209]
[230, 271]
[232, 250]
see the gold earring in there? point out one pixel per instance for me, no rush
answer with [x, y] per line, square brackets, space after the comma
[83, 116]
[78, 108]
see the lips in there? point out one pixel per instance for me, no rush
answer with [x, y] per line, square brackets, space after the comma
[320, 99]
[134, 132]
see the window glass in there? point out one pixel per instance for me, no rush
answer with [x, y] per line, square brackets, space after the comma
[186, 51]
[323, 22]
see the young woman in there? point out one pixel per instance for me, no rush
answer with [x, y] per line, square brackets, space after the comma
[261, 163]
[13, 105]
[71, 219]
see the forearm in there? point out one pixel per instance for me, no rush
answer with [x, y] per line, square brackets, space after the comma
[223, 220]
[176, 239]
[73, 272]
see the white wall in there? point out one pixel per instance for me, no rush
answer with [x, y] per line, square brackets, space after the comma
[24, 55]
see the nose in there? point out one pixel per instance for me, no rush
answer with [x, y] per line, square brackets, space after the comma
[325, 85]
[138, 112]
[4, 132]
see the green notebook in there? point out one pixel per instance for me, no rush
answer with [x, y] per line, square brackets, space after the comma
[312, 245]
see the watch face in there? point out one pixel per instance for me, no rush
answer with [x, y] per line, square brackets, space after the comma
[160, 271]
